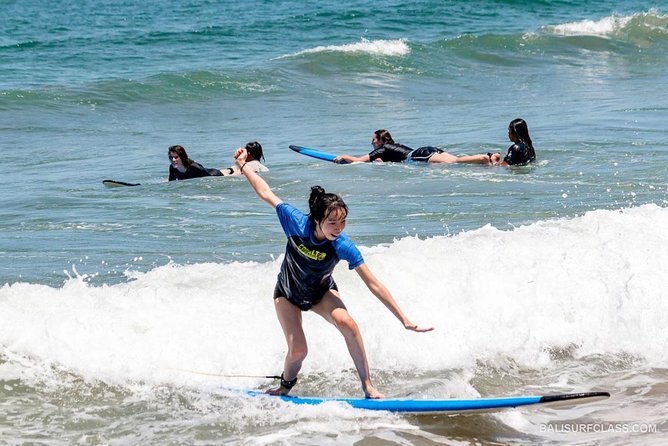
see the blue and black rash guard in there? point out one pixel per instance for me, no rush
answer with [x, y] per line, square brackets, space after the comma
[306, 272]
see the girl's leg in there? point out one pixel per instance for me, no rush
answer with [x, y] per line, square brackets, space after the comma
[443, 157]
[474, 159]
[334, 311]
[290, 318]
[467, 159]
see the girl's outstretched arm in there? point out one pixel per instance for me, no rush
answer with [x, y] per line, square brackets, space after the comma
[352, 159]
[384, 295]
[258, 184]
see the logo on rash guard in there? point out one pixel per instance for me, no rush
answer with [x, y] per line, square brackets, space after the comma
[312, 253]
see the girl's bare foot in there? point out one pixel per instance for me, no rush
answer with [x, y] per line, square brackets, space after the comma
[371, 393]
[280, 390]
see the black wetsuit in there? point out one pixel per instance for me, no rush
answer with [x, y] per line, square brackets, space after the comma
[388, 152]
[519, 153]
[306, 271]
[397, 153]
[195, 170]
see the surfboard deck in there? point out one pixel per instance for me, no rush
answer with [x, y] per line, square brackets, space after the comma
[317, 154]
[404, 405]
[114, 183]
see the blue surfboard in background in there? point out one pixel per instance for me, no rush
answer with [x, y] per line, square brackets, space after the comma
[315, 154]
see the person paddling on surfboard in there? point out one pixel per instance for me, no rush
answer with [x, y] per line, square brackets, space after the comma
[316, 243]
[385, 149]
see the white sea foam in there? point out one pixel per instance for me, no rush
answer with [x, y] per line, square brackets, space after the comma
[397, 47]
[603, 27]
[595, 281]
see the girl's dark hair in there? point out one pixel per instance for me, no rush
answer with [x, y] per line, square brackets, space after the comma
[384, 136]
[520, 129]
[181, 153]
[254, 149]
[321, 204]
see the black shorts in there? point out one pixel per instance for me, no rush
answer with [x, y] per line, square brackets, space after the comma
[424, 153]
[304, 302]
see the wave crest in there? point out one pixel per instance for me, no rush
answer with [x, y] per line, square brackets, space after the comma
[648, 23]
[392, 48]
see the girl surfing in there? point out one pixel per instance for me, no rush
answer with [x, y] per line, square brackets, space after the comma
[316, 243]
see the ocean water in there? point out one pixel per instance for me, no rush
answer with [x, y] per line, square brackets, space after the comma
[124, 311]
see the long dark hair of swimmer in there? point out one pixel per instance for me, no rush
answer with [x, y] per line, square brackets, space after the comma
[520, 129]
[321, 204]
[254, 149]
[384, 136]
[181, 153]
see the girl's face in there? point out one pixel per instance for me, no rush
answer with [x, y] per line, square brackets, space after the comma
[176, 161]
[375, 142]
[332, 226]
[511, 135]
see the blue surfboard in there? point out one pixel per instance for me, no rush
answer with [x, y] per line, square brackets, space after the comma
[401, 405]
[317, 154]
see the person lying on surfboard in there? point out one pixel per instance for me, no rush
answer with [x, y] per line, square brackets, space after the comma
[385, 149]
[316, 243]
[184, 168]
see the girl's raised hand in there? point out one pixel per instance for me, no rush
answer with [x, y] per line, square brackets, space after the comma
[240, 156]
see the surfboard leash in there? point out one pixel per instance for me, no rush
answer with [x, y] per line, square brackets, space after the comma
[220, 375]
